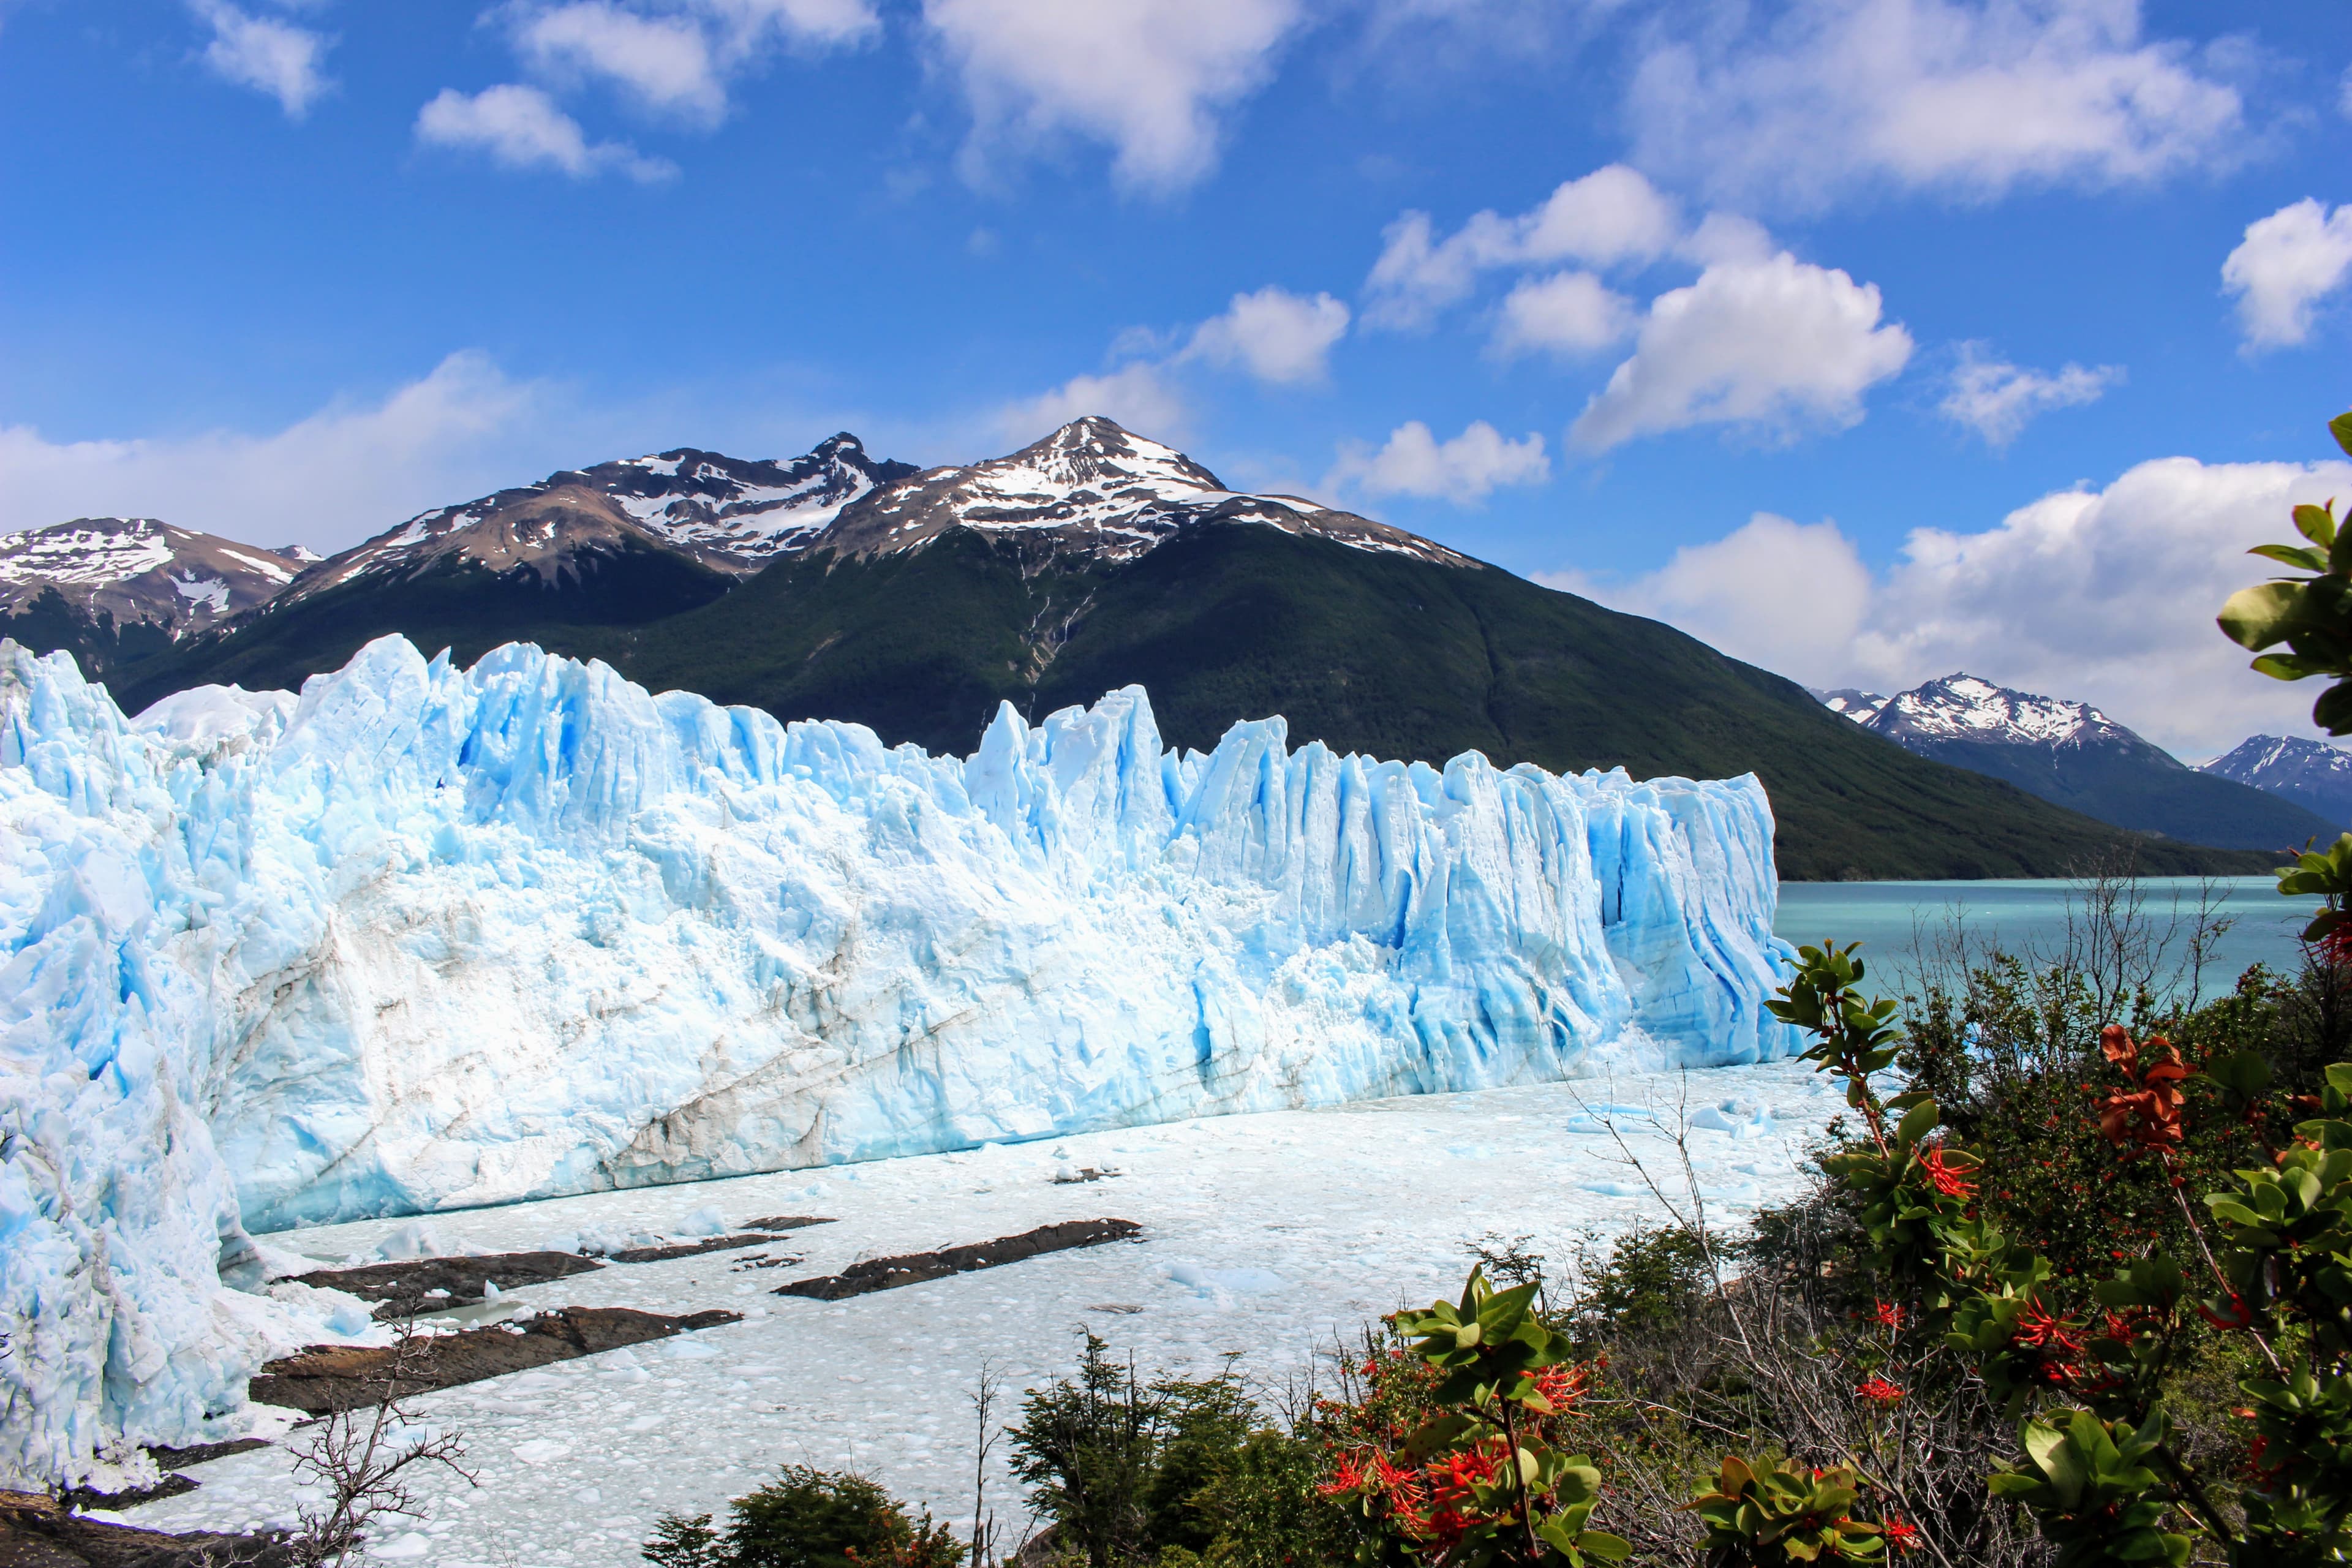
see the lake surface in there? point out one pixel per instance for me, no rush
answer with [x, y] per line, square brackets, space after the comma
[1891, 918]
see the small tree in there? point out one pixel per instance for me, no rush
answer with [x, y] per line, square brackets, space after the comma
[807, 1518]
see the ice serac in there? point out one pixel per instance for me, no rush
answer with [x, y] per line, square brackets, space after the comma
[428, 937]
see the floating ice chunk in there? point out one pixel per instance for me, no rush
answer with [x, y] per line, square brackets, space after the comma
[704, 1221]
[540, 1451]
[1209, 1282]
[415, 1241]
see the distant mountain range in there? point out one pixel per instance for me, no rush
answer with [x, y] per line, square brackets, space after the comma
[121, 588]
[2314, 775]
[2071, 755]
[838, 586]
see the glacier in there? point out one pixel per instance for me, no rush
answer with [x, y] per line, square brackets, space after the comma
[424, 938]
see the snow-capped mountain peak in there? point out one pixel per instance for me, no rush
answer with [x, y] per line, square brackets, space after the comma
[2312, 773]
[731, 514]
[139, 571]
[1092, 489]
[1963, 707]
[1850, 701]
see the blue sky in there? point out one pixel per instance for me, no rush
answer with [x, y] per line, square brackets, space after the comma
[1869, 339]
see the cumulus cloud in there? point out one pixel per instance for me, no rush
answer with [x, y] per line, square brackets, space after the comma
[1568, 313]
[449, 435]
[1969, 97]
[664, 62]
[676, 57]
[2104, 595]
[1139, 395]
[520, 128]
[1997, 399]
[2287, 264]
[266, 54]
[1414, 462]
[1148, 78]
[1277, 336]
[1777, 345]
[1609, 216]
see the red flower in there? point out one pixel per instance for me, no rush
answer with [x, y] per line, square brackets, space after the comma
[2237, 1315]
[1878, 1391]
[1901, 1536]
[2037, 1329]
[1953, 1181]
[1561, 1386]
[1347, 1476]
[1887, 1315]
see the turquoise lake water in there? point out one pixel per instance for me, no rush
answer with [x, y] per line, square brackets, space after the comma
[2027, 916]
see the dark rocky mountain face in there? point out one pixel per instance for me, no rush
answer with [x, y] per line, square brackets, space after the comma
[2072, 755]
[115, 588]
[2312, 773]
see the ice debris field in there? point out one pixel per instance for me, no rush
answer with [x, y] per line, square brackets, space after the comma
[424, 938]
[1279, 1234]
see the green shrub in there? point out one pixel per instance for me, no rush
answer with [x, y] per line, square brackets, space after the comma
[1176, 1471]
[1654, 1277]
[807, 1518]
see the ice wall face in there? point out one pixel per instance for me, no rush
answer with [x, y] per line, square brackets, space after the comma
[430, 937]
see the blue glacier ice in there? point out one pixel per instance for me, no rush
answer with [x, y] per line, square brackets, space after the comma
[428, 937]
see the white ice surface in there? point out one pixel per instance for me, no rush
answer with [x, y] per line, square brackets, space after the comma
[1275, 1234]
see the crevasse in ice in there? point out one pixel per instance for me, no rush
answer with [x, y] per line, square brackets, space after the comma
[426, 937]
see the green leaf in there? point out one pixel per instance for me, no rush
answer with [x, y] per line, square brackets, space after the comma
[2294, 555]
[2258, 616]
[2053, 1451]
[2316, 523]
[2341, 428]
[1917, 1122]
[1604, 1547]
[2284, 666]
[2333, 711]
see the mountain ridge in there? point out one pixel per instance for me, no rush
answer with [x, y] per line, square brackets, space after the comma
[2071, 755]
[1097, 559]
[2312, 773]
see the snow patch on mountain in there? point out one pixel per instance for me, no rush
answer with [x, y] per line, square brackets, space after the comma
[423, 938]
[2310, 773]
[1965, 707]
[1096, 489]
[138, 570]
[1850, 701]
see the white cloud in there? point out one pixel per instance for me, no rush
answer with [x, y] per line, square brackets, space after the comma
[2287, 263]
[804, 24]
[1414, 462]
[1139, 396]
[664, 62]
[1609, 216]
[1567, 314]
[1971, 97]
[1788, 596]
[1275, 335]
[266, 54]
[1149, 77]
[1779, 345]
[520, 128]
[452, 434]
[1997, 399]
[676, 57]
[2106, 596]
